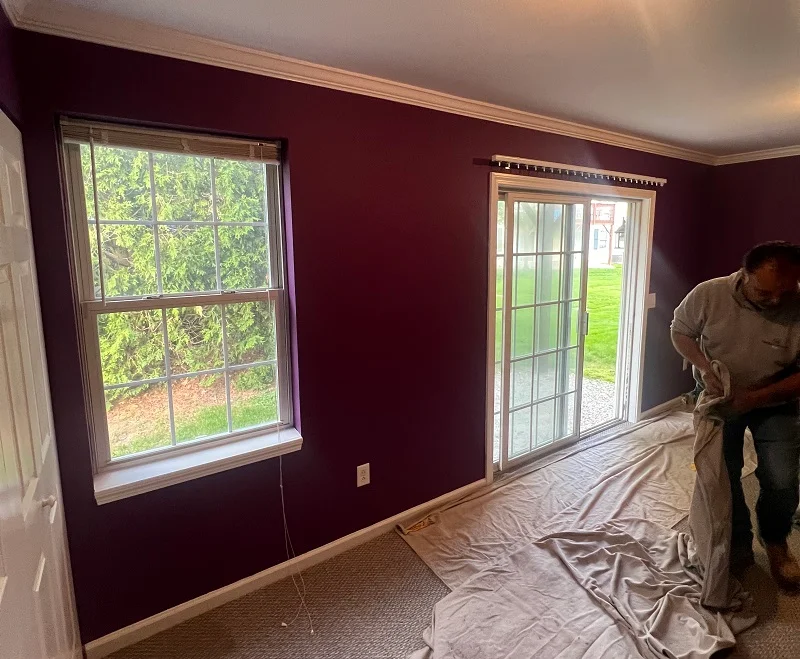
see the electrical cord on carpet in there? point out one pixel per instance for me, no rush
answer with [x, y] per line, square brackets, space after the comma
[290, 554]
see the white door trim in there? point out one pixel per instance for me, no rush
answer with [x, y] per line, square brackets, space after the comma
[640, 251]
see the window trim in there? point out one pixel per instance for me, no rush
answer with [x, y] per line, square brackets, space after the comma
[273, 438]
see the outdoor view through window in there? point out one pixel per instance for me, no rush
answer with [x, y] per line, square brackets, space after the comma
[183, 300]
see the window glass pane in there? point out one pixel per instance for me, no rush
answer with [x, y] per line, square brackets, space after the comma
[200, 408]
[240, 191]
[195, 339]
[552, 218]
[498, 335]
[131, 346]
[254, 397]
[183, 187]
[574, 279]
[548, 281]
[88, 184]
[129, 262]
[244, 261]
[524, 279]
[547, 327]
[520, 432]
[500, 274]
[573, 311]
[545, 416]
[577, 227]
[569, 421]
[571, 360]
[95, 262]
[522, 332]
[546, 375]
[525, 218]
[501, 226]
[138, 419]
[498, 424]
[498, 373]
[187, 259]
[250, 328]
[521, 374]
[123, 184]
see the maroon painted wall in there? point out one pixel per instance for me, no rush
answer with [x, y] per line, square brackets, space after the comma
[389, 233]
[9, 87]
[749, 203]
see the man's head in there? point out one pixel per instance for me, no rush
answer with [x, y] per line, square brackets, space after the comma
[772, 272]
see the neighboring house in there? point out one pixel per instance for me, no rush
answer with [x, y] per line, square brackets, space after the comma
[607, 233]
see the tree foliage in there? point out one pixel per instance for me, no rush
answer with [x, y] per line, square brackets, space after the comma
[139, 186]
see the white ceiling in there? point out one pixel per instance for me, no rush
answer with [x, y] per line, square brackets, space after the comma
[720, 76]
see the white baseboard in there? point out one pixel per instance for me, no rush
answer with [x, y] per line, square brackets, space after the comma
[670, 405]
[104, 646]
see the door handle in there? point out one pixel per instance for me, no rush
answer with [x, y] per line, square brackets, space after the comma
[49, 502]
[586, 323]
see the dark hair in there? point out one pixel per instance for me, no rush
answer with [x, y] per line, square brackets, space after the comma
[779, 250]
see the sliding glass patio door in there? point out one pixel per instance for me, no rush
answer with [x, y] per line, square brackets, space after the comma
[541, 322]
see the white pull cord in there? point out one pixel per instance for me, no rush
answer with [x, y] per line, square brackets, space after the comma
[290, 554]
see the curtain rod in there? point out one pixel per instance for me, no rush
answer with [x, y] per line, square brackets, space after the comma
[507, 162]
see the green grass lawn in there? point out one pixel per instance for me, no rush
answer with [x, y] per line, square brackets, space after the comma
[603, 304]
[600, 354]
[209, 421]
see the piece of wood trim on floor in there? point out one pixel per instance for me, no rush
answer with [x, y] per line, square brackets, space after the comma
[670, 405]
[104, 646]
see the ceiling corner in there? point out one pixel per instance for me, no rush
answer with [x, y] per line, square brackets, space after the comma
[14, 10]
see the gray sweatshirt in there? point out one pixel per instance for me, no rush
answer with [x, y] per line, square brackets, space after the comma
[757, 345]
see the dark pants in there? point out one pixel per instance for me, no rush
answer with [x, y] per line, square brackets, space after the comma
[776, 434]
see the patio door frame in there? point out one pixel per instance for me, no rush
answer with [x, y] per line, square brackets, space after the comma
[637, 302]
[514, 197]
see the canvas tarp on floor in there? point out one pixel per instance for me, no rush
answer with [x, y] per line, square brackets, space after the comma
[646, 472]
[618, 592]
[575, 559]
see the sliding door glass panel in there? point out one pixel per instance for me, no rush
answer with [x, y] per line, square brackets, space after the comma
[540, 306]
[520, 432]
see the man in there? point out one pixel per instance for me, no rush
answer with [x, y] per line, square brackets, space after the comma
[750, 321]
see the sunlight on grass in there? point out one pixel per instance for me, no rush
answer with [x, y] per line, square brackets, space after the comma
[253, 411]
[603, 304]
[605, 293]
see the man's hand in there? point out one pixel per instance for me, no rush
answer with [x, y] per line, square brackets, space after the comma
[739, 403]
[712, 383]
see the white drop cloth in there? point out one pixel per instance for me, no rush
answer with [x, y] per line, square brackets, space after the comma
[645, 472]
[618, 592]
[710, 512]
[575, 559]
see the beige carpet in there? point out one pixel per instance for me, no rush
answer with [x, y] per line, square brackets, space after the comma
[374, 601]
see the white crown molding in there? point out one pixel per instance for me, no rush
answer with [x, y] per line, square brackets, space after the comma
[14, 10]
[77, 23]
[64, 20]
[751, 156]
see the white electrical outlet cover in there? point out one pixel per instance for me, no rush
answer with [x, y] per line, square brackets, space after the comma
[362, 475]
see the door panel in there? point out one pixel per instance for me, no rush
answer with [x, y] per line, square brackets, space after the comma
[541, 306]
[37, 616]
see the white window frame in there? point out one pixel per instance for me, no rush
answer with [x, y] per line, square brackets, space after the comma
[132, 474]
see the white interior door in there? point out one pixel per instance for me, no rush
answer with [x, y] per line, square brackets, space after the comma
[543, 320]
[37, 614]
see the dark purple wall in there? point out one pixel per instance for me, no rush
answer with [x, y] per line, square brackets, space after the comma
[9, 87]
[749, 203]
[389, 221]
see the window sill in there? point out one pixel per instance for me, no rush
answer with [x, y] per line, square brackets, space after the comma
[130, 480]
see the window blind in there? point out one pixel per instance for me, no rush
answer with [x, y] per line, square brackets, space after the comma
[169, 141]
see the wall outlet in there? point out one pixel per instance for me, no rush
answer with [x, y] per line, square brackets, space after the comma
[362, 475]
